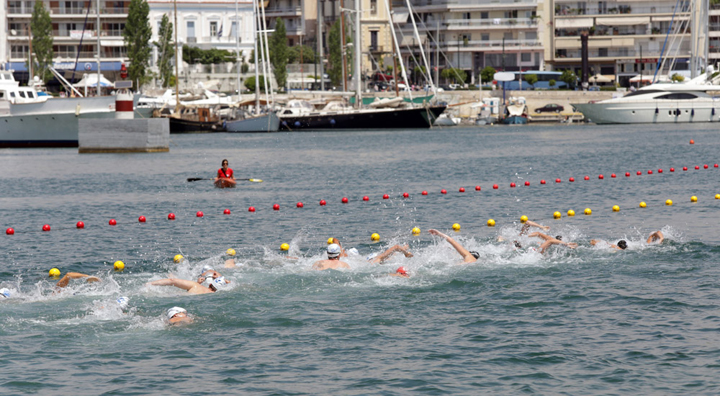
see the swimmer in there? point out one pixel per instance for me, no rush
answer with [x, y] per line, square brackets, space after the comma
[382, 257]
[343, 253]
[208, 272]
[333, 261]
[400, 272]
[621, 245]
[177, 315]
[190, 286]
[656, 236]
[468, 256]
[531, 223]
[65, 280]
[5, 293]
[550, 241]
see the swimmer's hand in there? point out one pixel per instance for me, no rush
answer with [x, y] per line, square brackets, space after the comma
[436, 232]
[92, 279]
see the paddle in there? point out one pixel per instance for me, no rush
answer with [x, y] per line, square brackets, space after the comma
[192, 179]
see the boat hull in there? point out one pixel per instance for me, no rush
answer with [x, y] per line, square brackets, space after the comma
[420, 117]
[663, 112]
[515, 120]
[43, 130]
[179, 125]
[264, 123]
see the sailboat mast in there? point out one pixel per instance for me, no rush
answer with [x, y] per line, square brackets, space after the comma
[342, 35]
[257, 65]
[97, 87]
[428, 73]
[358, 53]
[177, 67]
[237, 51]
[397, 49]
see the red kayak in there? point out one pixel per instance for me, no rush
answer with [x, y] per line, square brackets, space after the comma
[224, 182]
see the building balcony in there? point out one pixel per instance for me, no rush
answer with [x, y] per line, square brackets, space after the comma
[214, 40]
[282, 12]
[482, 45]
[463, 5]
[609, 54]
[377, 49]
[474, 24]
[562, 10]
[79, 12]
[609, 31]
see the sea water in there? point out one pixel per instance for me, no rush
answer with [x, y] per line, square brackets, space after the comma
[586, 321]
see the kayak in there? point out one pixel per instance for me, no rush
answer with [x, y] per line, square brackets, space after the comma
[225, 183]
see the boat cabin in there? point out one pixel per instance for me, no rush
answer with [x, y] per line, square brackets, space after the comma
[11, 91]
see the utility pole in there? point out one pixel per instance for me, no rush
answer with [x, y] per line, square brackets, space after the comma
[177, 67]
[321, 21]
[358, 53]
[342, 34]
[437, 52]
[97, 87]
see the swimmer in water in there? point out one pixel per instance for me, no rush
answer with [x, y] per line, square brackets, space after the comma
[177, 315]
[468, 256]
[5, 293]
[656, 236]
[343, 253]
[550, 241]
[333, 261]
[208, 272]
[191, 286]
[531, 223]
[621, 245]
[65, 280]
[384, 256]
[400, 272]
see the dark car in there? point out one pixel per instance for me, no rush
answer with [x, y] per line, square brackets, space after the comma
[550, 108]
[381, 86]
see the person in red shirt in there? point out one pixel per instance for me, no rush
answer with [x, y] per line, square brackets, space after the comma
[225, 172]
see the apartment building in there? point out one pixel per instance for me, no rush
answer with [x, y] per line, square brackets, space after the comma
[299, 16]
[714, 32]
[625, 38]
[472, 34]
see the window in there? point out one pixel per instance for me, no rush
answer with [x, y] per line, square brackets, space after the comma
[233, 30]
[213, 29]
[508, 35]
[485, 37]
[373, 7]
[2, 94]
[190, 29]
[484, 15]
[374, 40]
[466, 15]
[530, 35]
[677, 96]
[30, 95]
[22, 94]
[526, 57]
[511, 14]
[602, 52]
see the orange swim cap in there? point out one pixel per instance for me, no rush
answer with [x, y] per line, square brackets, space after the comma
[401, 271]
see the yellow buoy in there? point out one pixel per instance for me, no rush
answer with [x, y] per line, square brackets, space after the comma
[557, 215]
[330, 241]
[230, 252]
[54, 273]
[416, 231]
[571, 213]
[588, 212]
[643, 205]
[693, 199]
[285, 247]
[717, 196]
[119, 265]
[456, 227]
[178, 258]
[523, 219]
[616, 208]
[491, 223]
[375, 236]
[668, 202]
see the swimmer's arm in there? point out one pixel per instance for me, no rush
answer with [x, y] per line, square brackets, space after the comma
[531, 223]
[181, 320]
[382, 257]
[544, 247]
[656, 236]
[75, 275]
[467, 257]
[540, 235]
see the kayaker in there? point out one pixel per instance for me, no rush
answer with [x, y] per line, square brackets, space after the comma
[225, 172]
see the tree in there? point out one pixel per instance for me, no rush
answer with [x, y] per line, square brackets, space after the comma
[166, 51]
[250, 83]
[335, 60]
[552, 83]
[279, 52]
[531, 79]
[137, 35]
[677, 78]
[193, 55]
[308, 54]
[42, 41]
[488, 74]
[569, 78]
[457, 75]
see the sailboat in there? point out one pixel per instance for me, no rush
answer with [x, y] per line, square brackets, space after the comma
[336, 115]
[243, 119]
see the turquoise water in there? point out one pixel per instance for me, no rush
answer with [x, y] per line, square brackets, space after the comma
[584, 321]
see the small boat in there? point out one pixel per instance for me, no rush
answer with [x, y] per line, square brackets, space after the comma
[195, 119]
[244, 120]
[225, 182]
[445, 119]
[516, 114]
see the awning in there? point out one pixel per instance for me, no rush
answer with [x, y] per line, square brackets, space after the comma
[400, 16]
[622, 21]
[69, 65]
[573, 23]
[568, 43]
[90, 80]
[112, 43]
[669, 18]
[599, 78]
[410, 40]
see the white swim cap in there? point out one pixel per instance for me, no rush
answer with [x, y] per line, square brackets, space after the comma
[218, 283]
[353, 252]
[207, 268]
[4, 293]
[123, 302]
[174, 311]
[372, 256]
[333, 250]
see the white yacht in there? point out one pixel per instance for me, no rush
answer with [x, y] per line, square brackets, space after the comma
[658, 103]
[32, 119]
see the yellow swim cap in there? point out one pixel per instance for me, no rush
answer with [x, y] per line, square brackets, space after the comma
[230, 252]
[178, 258]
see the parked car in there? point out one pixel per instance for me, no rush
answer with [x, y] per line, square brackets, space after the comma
[550, 108]
[381, 86]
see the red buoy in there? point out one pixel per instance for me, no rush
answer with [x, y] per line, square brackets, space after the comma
[558, 181]
[639, 173]
[252, 208]
[650, 172]
[10, 231]
[112, 222]
[542, 181]
[366, 198]
[527, 183]
[684, 168]
[572, 179]
[692, 141]
[406, 195]
[512, 185]
[601, 177]
[672, 169]
[495, 186]
[697, 167]
[716, 165]
[477, 188]
[587, 177]
[142, 219]
[322, 202]
[276, 207]
[344, 200]
[613, 175]
[627, 174]
[226, 211]
[80, 224]
[171, 216]
[299, 205]
[385, 196]
[424, 192]
[443, 191]
[199, 214]
[659, 170]
[46, 227]
[462, 189]
[705, 166]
